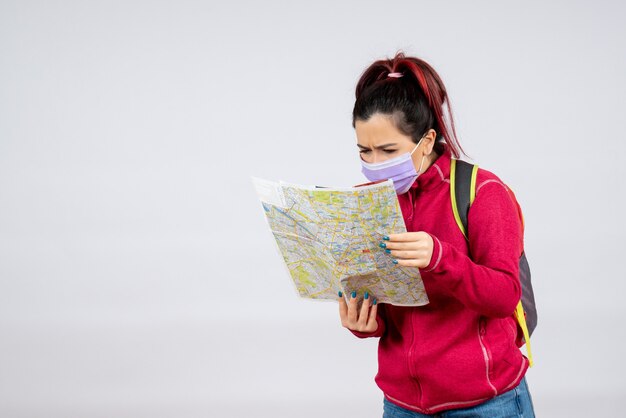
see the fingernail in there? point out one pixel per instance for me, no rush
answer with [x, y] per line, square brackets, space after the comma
[387, 250]
[340, 293]
[375, 301]
[353, 294]
[386, 238]
[395, 261]
[382, 245]
[366, 296]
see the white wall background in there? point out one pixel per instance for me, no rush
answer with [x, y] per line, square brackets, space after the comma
[137, 275]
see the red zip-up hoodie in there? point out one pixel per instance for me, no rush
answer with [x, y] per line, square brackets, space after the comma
[459, 350]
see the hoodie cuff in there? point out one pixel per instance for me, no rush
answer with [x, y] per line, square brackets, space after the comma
[435, 259]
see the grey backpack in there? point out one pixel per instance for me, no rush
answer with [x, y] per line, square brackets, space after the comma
[462, 193]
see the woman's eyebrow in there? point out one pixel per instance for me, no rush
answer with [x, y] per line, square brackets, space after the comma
[391, 144]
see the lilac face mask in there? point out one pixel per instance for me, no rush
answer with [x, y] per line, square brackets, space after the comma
[400, 169]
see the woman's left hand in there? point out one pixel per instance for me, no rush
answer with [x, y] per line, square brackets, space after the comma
[410, 249]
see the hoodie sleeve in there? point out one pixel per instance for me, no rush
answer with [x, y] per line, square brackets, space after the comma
[488, 282]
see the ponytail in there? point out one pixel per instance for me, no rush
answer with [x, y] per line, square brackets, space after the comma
[416, 99]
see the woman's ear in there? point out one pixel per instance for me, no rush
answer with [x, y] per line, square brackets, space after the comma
[429, 141]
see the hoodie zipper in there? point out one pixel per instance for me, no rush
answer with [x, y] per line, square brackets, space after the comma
[486, 352]
[410, 193]
[410, 361]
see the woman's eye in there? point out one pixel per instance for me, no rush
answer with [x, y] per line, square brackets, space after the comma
[390, 151]
[364, 151]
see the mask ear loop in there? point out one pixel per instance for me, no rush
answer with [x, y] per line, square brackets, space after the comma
[418, 144]
[421, 164]
[423, 156]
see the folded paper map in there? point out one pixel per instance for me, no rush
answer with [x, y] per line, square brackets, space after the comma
[329, 239]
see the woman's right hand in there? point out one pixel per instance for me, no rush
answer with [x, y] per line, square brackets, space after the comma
[355, 319]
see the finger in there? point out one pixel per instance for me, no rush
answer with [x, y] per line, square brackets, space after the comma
[420, 244]
[404, 245]
[408, 254]
[404, 237]
[365, 308]
[372, 324]
[420, 263]
[405, 255]
[352, 309]
[343, 309]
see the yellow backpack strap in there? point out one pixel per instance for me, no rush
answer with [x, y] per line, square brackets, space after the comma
[473, 184]
[521, 319]
[462, 191]
[455, 208]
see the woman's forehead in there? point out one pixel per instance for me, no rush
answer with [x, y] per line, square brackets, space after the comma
[379, 128]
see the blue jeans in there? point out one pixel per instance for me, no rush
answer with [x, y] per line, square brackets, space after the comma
[514, 403]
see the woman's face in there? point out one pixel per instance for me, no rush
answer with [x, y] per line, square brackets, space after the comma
[378, 140]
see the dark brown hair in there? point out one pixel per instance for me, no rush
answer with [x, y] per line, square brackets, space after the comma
[415, 100]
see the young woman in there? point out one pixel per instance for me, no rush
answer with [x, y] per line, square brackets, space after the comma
[456, 356]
